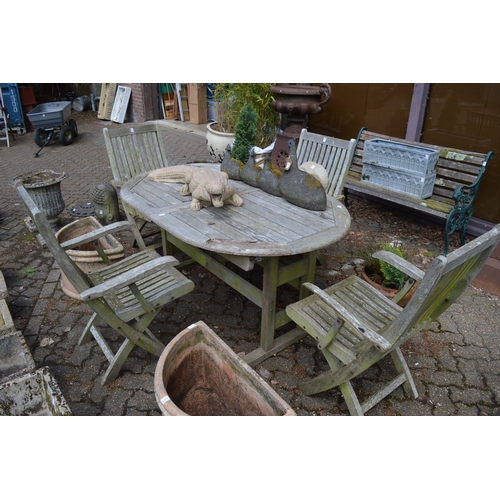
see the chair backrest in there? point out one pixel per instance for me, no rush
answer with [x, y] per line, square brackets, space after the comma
[134, 149]
[335, 155]
[70, 269]
[443, 283]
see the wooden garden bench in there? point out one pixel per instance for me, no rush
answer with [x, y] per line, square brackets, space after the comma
[458, 176]
[333, 154]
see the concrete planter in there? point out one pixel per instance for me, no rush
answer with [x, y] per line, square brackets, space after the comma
[85, 257]
[6, 322]
[15, 356]
[33, 394]
[198, 374]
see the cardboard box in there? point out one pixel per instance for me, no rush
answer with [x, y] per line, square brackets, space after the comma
[197, 99]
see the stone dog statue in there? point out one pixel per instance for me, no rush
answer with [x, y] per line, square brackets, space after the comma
[206, 186]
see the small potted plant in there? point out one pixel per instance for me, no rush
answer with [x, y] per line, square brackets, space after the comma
[245, 134]
[386, 278]
[237, 157]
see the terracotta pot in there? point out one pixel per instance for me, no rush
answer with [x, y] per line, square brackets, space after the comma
[389, 292]
[199, 375]
[86, 258]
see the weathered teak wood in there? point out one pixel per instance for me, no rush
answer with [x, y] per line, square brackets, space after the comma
[458, 176]
[335, 155]
[126, 295]
[262, 231]
[374, 326]
[132, 150]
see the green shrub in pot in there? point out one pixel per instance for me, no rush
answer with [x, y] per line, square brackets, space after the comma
[230, 98]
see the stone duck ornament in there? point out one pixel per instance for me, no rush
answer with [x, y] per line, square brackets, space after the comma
[299, 187]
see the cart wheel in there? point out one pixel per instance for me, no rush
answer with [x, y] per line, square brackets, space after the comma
[40, 136]
[66, 135]
[72, 123]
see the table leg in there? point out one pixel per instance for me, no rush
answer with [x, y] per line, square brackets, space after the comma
[265, 298]
[309, 276]
[268, 318]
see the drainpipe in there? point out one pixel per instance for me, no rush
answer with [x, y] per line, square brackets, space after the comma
[417, 111]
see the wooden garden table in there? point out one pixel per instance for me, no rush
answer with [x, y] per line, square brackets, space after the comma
[263, 231]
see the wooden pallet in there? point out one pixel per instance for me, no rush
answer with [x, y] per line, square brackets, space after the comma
[183, 93]
[106, 101]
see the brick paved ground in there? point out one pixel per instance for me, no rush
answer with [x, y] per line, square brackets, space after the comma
[455, 364]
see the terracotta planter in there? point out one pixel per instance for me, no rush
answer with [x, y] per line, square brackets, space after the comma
[217, 142]
[199, 375]
[388, 292]
[85, 257]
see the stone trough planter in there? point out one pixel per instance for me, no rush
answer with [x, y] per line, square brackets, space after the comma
[6, 322]
[15, 356]
[33, 394]
[199, 375]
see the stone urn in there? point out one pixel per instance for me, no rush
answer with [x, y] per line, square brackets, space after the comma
[44, 187]
[297, 102]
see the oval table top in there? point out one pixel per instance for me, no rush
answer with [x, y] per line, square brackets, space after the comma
[265, 226]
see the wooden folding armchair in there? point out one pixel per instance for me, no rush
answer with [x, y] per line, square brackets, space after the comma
[132, 150]
[335, 155]
[126, 295]
[356, 326]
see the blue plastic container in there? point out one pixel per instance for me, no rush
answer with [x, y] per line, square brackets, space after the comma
[12, 101]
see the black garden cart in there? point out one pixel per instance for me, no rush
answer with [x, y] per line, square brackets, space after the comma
[52, 119]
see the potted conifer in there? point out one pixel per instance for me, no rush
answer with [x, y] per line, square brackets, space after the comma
[230, 98]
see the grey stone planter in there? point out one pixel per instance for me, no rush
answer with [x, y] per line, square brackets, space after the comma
[15, 356]
[33, 394]
[44, 187]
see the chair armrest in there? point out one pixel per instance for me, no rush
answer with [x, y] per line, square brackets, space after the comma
[400, 263]
[463, 195]
[96, 234]
[117, 184]
[128, 277]
[380, 342]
